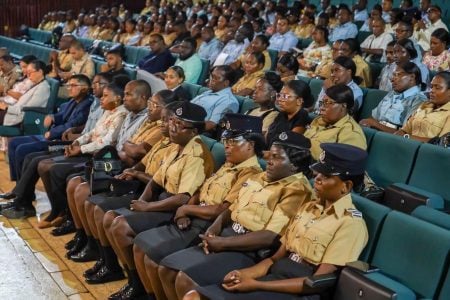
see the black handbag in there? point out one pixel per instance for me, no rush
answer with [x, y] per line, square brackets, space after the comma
[403, 200]
[105, 164]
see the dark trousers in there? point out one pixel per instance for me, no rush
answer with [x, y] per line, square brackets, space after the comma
[19, 147]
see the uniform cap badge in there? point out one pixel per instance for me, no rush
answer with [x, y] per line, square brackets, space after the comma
[283, 136]
[179, 111]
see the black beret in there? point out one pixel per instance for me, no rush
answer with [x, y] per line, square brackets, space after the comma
[188, 111]
[292, 139]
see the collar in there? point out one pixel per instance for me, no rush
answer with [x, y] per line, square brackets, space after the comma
[193, 147]
[410, 92]
[249, 163]
[338, 208]
[286, 180]
[338, 124]
[430, 105]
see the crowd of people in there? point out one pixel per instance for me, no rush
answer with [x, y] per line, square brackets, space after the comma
[127, 170]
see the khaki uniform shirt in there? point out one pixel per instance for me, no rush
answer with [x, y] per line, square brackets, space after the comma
[224, 185]
[7, 80]
[335, 235]
[65, 63]
[106, 35]
[363, 71]
[267, 60]
[304, 31]
[185, 172]
[148, 132]
[323, 69]
[263, 205]
[428, 121]
[154, 158]
[344, 131]
[248, 81]
[84, 66]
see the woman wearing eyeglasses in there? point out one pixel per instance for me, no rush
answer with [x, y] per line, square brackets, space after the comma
[291, 102]
[37, 95]
[186, 164]
[243, 142]
[334, 123]
[250, 228]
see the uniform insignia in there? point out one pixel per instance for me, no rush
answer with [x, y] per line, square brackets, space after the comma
[245, 184]
[179, 111]
[283, 136]
[354, 212]
[322, 157]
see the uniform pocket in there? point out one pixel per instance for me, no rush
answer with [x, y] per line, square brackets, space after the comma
[314, 244]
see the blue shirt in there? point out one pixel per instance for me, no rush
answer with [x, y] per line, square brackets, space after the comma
[210, 50]
[396, 108]
[95, 112]
[344, 31]
[283, 42]
[192, 68]
[357, 96]
[155, 63]
[217, 104]
[70, 114]
[233, 50]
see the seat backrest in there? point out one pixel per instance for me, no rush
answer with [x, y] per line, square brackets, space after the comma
[304, 78]
[131, 54]
[391, 158]
[246, 105]
[370, 101]
[54, 87]
[204, 73]
[191, 89]
[374, 215]
[431, 171]
[316, 86]
[432, 216]
[369, 133]
[445, 291]
[218, 153]
[413, 252]
[274, 58]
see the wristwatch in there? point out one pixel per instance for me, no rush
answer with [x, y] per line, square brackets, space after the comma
[406, 136]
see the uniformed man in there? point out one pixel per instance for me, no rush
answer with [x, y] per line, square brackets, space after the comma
[323, 236]
[335, 124]
[243, 142]
[253, 223]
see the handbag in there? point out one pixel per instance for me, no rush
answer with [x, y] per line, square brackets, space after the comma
[105, 164]
[403, 200]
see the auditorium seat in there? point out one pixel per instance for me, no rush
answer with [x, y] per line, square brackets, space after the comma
[204, 73]
[371, 100]
[274, 58]
[316, 86]
[432, 216]
[369, 133]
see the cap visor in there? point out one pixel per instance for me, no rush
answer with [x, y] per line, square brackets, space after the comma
[323, 169]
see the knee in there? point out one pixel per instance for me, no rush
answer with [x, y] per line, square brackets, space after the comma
[72, 184]
[98, 214]
[137, 251]
[122, 231]
[81, 193]
[192, 295]
[108, 219]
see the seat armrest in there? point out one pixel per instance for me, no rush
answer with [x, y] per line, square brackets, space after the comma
[362, 266]
[42, 110]
[321, 281]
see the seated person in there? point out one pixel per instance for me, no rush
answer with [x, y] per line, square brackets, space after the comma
[437, 59]
[350, 48]
[345, 29]
[61, 61]
[114, 62]
[144, 40]
[404, 51]
[373, 46]
[258, 44]
[385, 79]
[243, 142]
[253, 70]
[343, 71]
[220, 100]
[131, 36]
[189, 60]
[185, 166]
[424, 34]
[9, 73]
[284, 39]
[396, 107]
[22, 85]
[431, 120]
[235, 48]
[255, 220]
[305, 26]
[36, 96]
[287, 67]
[210, 46]
[316, 53]
[341, 228]
[159, 58]
[291, 102]
[264, 96]
[334, 124]
[174, 78]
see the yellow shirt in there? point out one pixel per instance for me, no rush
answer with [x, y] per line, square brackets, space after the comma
[268, 118]
[304, 31]
[154, 158]
[335, 235]
[363, 71]
[227, 181]
[323, 69]
[248, 81]
[267, 60]
[185, 172]
[219, 33]
[145, 40]
[106, 35]
[65, 63]
[263, 205]
[428, 121]
[344, 131]
[84, 66]
[149, 133]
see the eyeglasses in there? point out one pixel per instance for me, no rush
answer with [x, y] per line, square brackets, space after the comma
[178, 124]
[231, 142]
[284, 97]
[71, 86]
[327, 103]
[99, 83]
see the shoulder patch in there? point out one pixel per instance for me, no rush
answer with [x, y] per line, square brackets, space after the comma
[354, 212]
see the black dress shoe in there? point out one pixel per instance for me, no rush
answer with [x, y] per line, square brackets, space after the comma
[8, 196]
[79, 244]
[105, 275]
[86, 254]
[118, 295]
[132, 293]
[94, 269]
[65, 228]
[19, 212]
[6, 205]
[69, 245]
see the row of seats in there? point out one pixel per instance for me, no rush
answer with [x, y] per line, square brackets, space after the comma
[411, 251]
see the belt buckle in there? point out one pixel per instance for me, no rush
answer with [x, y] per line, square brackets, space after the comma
[295, 257]
[202, 203]
[238, 228]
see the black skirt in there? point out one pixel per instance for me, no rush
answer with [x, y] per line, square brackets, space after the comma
[159, 242]
[282, 269]
[110, 203]
[141, 221]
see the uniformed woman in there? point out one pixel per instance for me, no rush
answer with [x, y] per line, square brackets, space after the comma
[323, 236]
[243, 142]
[252, 225]
[126, 187]
[186, 165]
[334, 124]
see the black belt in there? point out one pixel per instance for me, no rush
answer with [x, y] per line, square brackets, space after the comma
[300, 260]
